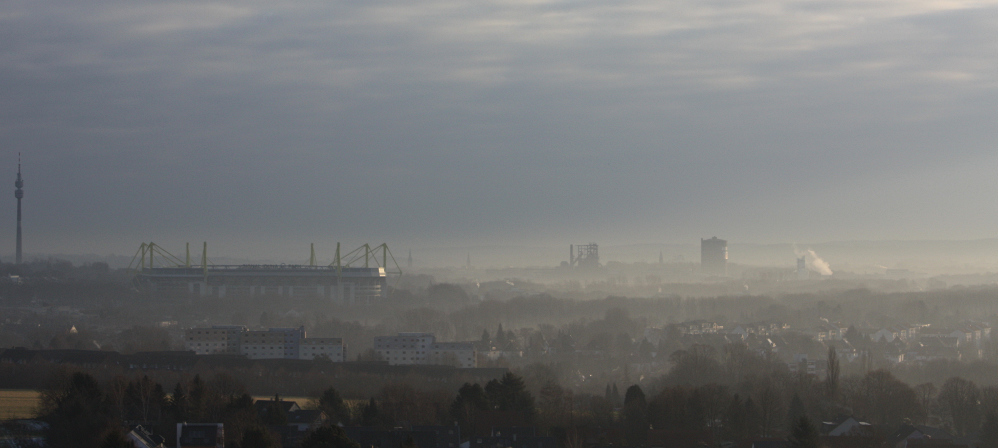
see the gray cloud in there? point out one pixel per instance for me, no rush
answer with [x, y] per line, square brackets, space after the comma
[261, 125]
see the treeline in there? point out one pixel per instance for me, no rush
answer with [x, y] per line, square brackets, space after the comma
[708, 396]
[82, 412]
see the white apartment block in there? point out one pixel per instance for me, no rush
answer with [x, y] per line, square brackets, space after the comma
[332, 348]
[273, 343]
[217, 340]
[422, 348]
[460, 354]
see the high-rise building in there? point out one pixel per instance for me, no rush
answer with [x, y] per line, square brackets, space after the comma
[588, 256]
[18, 193]
[714, 256]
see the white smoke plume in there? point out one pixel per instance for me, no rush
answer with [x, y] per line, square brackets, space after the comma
[813, 261]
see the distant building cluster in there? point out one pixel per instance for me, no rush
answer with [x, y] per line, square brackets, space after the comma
[272, 343]
[422, 348]
[805, 349]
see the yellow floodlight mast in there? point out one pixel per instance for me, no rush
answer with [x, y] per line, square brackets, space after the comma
[369, 254]
[204, 262]
[150, 250]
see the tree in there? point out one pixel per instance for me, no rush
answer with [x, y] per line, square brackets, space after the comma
[770, 405]
[448, 293]
[398, 404]
[275, 415]
[470, 401]
[832, 373]
[752, 420]
[804, 434]
[509, 393]
[76, 411]
[197, 398]
[960, 398]
[711, 401]
[115, 438]
[178, 403]
[736, 420]
[989, 431]
[885, 400]
[615, 396]
[795, 412]
[240, 416]
[635, 416]
[600, 411]
[552, 408]
[144, 399]
[696, 365]
[328, 436]
[926, 392]
[370, 416]
[258, 437]
[332, 404]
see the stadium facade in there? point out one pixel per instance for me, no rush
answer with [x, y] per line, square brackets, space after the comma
[339, 283]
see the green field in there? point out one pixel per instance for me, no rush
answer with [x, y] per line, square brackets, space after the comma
[18, 403]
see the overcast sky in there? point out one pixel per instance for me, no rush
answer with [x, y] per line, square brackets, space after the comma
[264, 126]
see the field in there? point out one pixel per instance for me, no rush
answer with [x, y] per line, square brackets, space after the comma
[18, 403]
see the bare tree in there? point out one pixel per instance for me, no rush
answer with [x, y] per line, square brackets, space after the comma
[770, 403]
[832, 373]
[960, 397]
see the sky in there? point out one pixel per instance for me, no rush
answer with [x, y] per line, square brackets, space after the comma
[261, 127]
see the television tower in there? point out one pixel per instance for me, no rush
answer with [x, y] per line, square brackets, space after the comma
[19, 193]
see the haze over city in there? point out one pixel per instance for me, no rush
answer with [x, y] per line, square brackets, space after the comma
[499, 224]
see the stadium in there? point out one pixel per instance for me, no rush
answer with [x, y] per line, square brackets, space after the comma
[357, 277]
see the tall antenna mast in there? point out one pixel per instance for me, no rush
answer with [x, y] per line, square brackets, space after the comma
[19, 193]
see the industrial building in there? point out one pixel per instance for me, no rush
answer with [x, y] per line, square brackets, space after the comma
[714, 256]
[272, 343]
[357, 277]
[422, 348]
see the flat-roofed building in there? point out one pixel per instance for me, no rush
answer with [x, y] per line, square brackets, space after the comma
[457, 354]
[422, 348]
[332, 348]
[217, 340]
[272, 343]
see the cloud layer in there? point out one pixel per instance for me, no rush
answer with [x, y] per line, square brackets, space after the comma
[259, 125]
